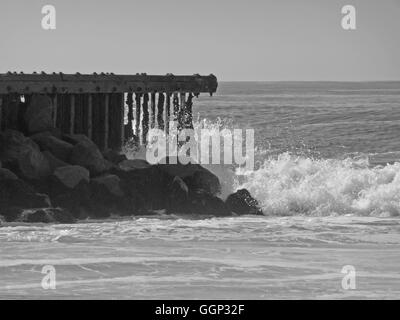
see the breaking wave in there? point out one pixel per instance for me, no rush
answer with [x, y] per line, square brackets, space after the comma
[296, 185]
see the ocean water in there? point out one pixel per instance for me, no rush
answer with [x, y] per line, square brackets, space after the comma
[327, 177]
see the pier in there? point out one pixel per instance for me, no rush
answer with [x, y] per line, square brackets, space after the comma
[101, 105]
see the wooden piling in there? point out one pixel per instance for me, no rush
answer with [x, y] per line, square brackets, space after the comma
[160, 110]
[54, 111]
[153, 110]
[181, 112]
[167, 111]
[90, 116]
[122, 126]
[189, 112]
[145, 120]
[175, 103]
[138, 107]
[129, 102]
[1, 112]
[106, 116]
[72, 115]
[98, 101]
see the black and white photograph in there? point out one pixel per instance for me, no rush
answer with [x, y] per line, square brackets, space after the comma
[214, 150]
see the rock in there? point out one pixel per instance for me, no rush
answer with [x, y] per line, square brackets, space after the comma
[75, 138]
[6, 174]
[78, 200]
[241, 202]
[195, 176]
[71, 176]
[17, 193]
[204, 203]
[10, 214]
[133, 164]
[38, 115]
[114, 157]
[146, 188]
[47, 215]
[57, 147]
[111, 183]
[88, 155]
[204, 180]
[179, 195]
[54, 162]
[22, 156]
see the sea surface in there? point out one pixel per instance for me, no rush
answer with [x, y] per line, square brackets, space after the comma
[327, 176]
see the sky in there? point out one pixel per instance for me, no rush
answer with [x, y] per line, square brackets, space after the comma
[260, 40]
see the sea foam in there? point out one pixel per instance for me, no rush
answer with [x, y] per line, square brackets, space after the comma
[293, 185]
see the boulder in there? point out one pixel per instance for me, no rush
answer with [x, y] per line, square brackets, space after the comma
[114, 157]
[78, 200]
[133, 164]
[38, 115]
[111, 183]
[75, 138]
[22, 156]
[47, 215]
[54, 162]
[10, 214]
[71, 176]
[204, 203]
[19, 194]
[195, 176]
[204, 180]
[241, 202]
[146, 188]
[179, 195]
[88, 155]
[6, 174]
[57, 147]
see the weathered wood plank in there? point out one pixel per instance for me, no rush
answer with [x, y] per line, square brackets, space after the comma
[106, 119]
[106, 83]
[90, 117]
[72, 117]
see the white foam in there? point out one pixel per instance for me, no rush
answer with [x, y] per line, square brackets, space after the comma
[292, 185]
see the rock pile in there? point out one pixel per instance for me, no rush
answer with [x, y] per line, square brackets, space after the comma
[46, 176]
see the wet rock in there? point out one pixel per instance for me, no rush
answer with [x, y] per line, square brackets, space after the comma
[6, 174]
[74, 139]
[17, 193]
[10, 214]
[195, 176]
[204, 180]
[59, 148]
[22, 156]
[133, 164]
[179, 195]
[38, 114]
[114, 157]
[88, 155]
[111, 183]
[147, 188]
[241, 202]
[204, 203]
[78, 200]
[46, 215]
[54, 162]
[71, 176]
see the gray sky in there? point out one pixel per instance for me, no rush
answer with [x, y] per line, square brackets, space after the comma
[235, 40]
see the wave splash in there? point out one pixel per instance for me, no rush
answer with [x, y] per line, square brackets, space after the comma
[296, 185]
